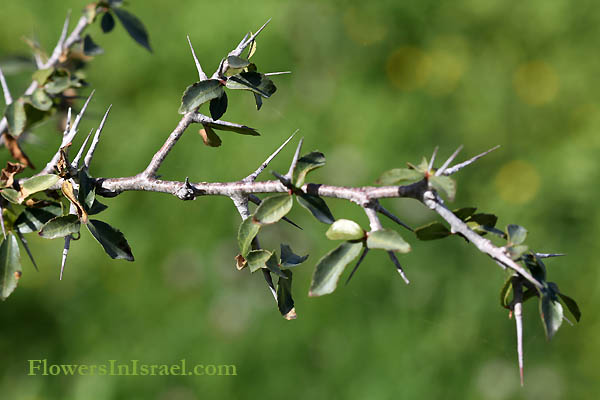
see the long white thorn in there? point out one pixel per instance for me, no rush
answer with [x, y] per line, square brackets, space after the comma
[92, 149]
[7, 97]
[433, 158]
[290, 173]
[75, 162]
[460, 166]
[252, 177]
[63, 36]
[201, 73]
[448, 161]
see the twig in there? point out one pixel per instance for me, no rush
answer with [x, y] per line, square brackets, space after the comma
[433, 201]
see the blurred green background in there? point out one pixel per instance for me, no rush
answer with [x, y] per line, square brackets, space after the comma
[374, 85]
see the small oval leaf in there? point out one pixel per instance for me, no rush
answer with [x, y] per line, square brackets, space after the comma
[257, 259]
[134, 27]
[199, 93]
[112, 240]
[399, 176]
[33, 218]
[246, 233]
[61, 227]
[41, 100]
[218, 106]
[516, 234]
[16, 117]
[273, 208]
[330, 267]
[316, 206]
[345, 229]
[445, 185]
[306, 164]
[289, 259]
[386, 239]
[107, 23]
[433, 231]
[10, 265]
[37, 184]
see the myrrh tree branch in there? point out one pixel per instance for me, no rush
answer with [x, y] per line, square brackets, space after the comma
[63, 196]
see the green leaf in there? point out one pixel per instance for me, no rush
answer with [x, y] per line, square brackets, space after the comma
[235, 65]
[41, 75]
[58, 84]
[285, 302]
[516, 234]
[305, 164]
[87, 190]
[386, 239]
[400, 176]
[246, 233]
[536, 267]
[41, 100]
[571, 305]
[432, 231]
[199, 93]
[464, 213]
[254, 81]
[33, 218]
[258, 101]
[90, 48]
[241, 129]
[505, 292]
[273, 265]
[11, 195]
[10, 265]
[37, 184]
[289, 259]
[257, 259]
[107, 23]
[330, 267]
[484, 219]
[218, 106]
[345, 229]
[316, 206]
[134, 27]
[552, 315]
[111, 239]
[445, 185]
[273, 208]
[237, 62]
[517, 251]
[16, 117]
[60, 227]
[97, 208]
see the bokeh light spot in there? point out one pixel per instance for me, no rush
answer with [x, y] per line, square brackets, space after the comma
[408, 68]
[363, 27]
[517, 182]
[536, 83]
